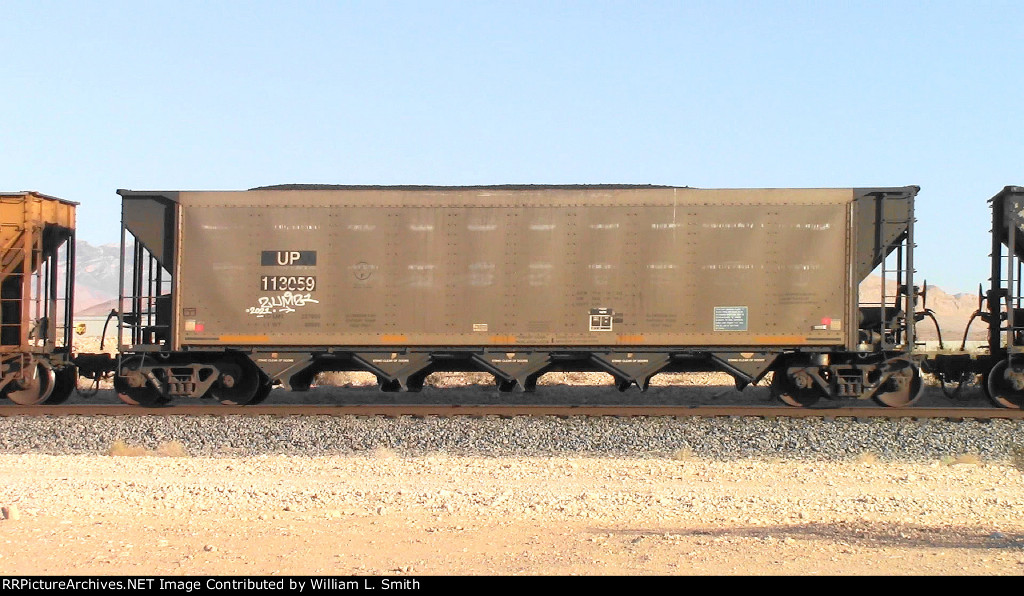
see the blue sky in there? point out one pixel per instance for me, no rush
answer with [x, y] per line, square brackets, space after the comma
[228, 95]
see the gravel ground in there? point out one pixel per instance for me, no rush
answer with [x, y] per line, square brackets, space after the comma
[386, 514]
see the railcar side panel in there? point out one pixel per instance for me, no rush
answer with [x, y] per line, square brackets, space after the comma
[547, 267]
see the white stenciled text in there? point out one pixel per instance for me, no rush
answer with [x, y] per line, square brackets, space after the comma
[281, 303]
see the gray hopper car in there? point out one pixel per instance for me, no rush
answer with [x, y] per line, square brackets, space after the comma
[229, 293]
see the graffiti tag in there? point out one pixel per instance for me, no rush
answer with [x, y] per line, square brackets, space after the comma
[282, 303]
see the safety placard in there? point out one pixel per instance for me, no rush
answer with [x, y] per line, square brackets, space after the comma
[730, 318]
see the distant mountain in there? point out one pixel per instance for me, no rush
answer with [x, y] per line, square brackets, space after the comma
[96, 274]
[952, 311]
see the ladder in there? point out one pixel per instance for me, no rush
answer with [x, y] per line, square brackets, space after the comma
[890, 217]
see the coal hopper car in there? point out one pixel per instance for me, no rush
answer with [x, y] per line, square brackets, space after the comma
[227, 293]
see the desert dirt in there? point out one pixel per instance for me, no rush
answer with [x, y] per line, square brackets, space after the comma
[385, 514]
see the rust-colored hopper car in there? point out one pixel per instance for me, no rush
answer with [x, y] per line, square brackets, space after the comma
[37, 257]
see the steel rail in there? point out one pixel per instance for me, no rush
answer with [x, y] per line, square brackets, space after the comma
[562, 411]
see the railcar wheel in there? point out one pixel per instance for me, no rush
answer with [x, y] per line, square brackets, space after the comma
[66, 381]
[34, 390]
[133, 388]
[784, 390]
[905, 387]
[1001, 390]
[263, 392]
[239, 381]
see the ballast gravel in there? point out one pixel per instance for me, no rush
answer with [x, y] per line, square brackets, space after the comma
[902, 439]
[830, 439]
